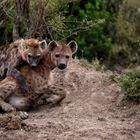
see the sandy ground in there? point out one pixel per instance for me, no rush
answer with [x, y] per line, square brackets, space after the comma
[92, 110]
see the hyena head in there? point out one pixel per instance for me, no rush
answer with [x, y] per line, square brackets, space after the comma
[31, 50]
[61, 52]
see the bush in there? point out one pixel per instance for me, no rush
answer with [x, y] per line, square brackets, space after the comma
[130, 84]
[98, 66]
[93, 40]
[120, 53]
[126, 35]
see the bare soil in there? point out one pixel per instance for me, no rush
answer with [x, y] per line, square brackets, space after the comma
[92, 110]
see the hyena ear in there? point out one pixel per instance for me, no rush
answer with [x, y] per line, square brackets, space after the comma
[43, 44]
[52, 45]
[22, 45]
[73, 46]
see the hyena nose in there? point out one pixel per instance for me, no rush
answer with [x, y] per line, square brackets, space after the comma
[62, 66]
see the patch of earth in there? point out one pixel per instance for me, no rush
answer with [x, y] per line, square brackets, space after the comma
[90, 111]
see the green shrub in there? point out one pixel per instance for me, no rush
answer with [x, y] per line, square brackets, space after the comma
[130, 84]
[120, 53]
[98, 66]
[85, 63]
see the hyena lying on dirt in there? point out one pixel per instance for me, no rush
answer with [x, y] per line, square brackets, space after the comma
[57, 54]
[18, 54]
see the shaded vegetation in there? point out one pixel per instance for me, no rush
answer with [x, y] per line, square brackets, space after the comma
[130, 84]
[107, 30]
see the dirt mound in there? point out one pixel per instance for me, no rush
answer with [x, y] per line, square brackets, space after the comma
[91, 110]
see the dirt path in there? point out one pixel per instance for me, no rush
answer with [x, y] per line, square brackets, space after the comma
[91, 111]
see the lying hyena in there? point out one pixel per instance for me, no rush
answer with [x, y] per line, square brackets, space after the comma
[56, 55]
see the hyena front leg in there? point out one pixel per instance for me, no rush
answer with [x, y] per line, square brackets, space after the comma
[21, 80]
[6, 89]
[54, 95]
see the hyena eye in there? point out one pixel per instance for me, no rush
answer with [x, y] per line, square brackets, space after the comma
[57, 55]
[29, 55]
[67, 56]
[38, 55]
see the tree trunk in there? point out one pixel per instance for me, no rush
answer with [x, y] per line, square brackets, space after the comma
[21, 13]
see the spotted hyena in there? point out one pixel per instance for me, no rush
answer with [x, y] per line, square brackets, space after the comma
[18, 54]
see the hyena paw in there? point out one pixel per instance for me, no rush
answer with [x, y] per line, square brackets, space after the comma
[23, 115]
[7, 107]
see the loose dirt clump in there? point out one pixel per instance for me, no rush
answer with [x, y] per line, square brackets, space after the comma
[10, 121]
[92, 110]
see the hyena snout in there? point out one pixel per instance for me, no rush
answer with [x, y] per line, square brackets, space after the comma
[62, 66]
[62, 63]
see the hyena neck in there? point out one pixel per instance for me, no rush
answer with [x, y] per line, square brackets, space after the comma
[49, 64]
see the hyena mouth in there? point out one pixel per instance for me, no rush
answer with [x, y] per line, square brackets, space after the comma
[33, 62]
